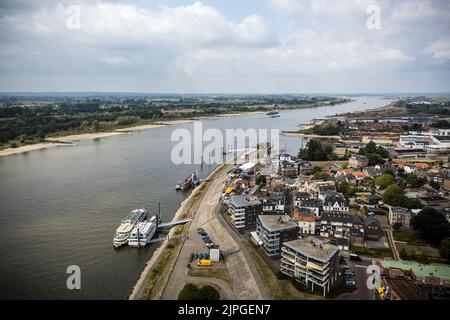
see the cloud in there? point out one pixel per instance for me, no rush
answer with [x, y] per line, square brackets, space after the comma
[116, 61]
[197, 47]
[439, 50]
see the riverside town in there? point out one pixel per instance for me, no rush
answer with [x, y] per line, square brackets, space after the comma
[212, 159]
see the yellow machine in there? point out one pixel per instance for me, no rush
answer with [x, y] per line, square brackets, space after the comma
[381, 293]
[204, 263]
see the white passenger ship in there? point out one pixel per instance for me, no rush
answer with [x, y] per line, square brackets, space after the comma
[143, 232]
[123, 232]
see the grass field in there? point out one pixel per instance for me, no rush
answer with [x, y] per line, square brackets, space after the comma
[219, 273]
[375, 253]
[409, 237]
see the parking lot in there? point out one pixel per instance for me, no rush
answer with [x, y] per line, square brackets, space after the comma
[362, 292]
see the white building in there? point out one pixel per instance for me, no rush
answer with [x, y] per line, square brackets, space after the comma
[335, 203]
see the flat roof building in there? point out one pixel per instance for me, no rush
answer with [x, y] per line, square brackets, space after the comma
[243, 211]
[311, 262]
[274, 230]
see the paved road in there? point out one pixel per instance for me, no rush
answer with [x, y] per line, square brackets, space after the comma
[362, 292]
[391, 241]
[243, 282]
[388, 230]
[251, 264]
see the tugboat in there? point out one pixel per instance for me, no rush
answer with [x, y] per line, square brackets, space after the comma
[186, 184]
[195, 179]
[273, 114]
[189, 182]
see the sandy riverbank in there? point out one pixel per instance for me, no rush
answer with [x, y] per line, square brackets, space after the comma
[58, 142]
[29, 147]
[71, 139]
[83, 136]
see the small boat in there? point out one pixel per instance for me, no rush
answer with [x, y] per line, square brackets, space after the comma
[123, 232]
[275, 116]
[273, 113]
[178, 186]
[143, 232]
[186, 184]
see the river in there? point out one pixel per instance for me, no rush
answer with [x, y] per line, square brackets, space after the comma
[60, 206]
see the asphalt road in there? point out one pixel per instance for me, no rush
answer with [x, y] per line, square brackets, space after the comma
[245, 280]
[361, 276]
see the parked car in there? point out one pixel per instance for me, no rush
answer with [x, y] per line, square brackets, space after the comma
[195, 256]
[355, 257]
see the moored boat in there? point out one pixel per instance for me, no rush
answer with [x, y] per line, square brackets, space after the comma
[143, 232]
[123, 232]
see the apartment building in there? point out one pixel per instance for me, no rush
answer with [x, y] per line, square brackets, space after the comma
[274, 230]
[311, 262]
[243, 211]
[401, 216]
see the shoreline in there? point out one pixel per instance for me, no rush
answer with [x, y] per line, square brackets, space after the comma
[69, 140]
[138, 288]
[341, 116]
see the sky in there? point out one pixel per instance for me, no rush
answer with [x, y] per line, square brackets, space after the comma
[225, 46]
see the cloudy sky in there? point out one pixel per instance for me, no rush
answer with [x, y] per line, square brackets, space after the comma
[225, 46]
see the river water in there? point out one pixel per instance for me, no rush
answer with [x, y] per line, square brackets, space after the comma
[60, 206]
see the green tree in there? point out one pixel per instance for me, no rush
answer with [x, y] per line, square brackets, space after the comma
[435, 185]
[208, 293]
[316, 150]
[444, 249]
[346, 189]
[395, 196]
[192, 292]
[189, 292]
[432, 225]
[403, 254]
[391, 194]
[372, 148]
[375, 154]
[384, 181]
[415, 181]
[321, 176]
[95, 125]
[317, 169]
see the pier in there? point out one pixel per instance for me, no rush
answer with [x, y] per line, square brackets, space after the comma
[173, 223]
